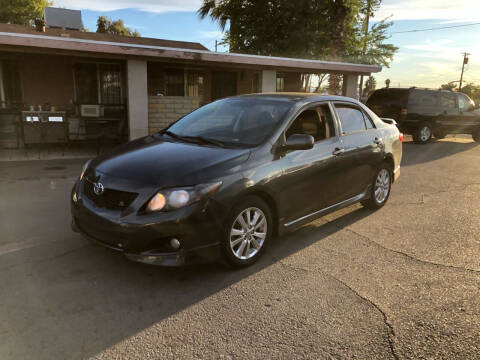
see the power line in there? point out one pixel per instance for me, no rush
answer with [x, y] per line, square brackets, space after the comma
[436, 28]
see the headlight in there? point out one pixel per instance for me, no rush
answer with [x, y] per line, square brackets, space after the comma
[178, 198]
[85, 167]
[172, 199]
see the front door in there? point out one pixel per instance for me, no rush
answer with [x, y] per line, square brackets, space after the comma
[224, 84]
[309, 175]
[448, 121]
[468, 121]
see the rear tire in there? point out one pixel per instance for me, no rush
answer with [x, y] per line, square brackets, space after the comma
[248, 230]
[381, 186]
[476, 136]
[422, 134]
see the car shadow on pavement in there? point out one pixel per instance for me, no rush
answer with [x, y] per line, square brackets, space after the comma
[414, 154]
[85, 299]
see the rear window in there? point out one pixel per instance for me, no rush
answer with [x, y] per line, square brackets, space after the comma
[398, 97]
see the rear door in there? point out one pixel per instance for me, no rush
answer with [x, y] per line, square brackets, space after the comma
[363, 148]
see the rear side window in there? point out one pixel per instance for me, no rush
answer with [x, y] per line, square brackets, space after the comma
[398, 97]
[424, 98]
[447, 101]
[368, 121]
[351, 118]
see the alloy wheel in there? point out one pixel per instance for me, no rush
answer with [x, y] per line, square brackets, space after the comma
[425, 133]
[382, 186]
[248, 233]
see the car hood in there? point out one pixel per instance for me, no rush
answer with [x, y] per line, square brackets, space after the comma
[155, 161]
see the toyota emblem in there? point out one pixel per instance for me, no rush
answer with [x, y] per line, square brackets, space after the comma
[98, 188]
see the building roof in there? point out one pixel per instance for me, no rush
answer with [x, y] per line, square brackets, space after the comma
[75, 34]
[165, 50]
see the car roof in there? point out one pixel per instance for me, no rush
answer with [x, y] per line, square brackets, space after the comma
[412, 88]
[298, 97]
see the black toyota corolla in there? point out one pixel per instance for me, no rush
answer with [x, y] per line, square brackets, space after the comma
[224, 180]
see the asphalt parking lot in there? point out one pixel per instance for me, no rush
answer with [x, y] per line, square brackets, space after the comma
[399, 283]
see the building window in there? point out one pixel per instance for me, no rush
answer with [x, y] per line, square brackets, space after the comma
[174, 83]
[98, 83]
[110, 83]
[155, 79]
[256, 83]
[10, 85]
[195, 82]
[280, 82]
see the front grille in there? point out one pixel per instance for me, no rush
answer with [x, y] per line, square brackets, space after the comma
[110, 199]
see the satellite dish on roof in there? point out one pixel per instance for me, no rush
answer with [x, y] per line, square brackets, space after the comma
[63, 18]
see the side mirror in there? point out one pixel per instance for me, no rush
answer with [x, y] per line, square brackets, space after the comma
[299, 142]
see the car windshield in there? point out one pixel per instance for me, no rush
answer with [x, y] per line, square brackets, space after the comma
[233, 121]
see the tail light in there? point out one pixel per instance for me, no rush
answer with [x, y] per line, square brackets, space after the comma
[400, 137]
[403, 114]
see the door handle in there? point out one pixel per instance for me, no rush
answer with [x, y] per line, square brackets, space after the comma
[378, 141]
[338, 151]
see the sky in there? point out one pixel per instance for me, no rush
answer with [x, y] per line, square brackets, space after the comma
[424, 59]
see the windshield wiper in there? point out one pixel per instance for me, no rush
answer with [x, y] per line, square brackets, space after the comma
[203, 140]
[194, 139]
[171, 134]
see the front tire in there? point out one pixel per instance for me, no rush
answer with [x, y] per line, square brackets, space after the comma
[381, 186]
[248, 231]
[422, 134]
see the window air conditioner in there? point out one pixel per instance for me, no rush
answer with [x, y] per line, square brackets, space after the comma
[90, 110]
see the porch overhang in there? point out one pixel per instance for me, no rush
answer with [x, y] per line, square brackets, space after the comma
[161, 53]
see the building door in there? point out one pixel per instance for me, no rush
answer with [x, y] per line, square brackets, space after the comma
[224, 84]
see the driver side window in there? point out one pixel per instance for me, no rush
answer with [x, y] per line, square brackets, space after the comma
[316, 121]
[464, 103]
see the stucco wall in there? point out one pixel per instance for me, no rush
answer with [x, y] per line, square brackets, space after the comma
[137, 98]
[163, 110]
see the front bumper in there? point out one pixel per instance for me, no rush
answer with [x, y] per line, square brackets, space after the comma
[177, 258]
[146, 238]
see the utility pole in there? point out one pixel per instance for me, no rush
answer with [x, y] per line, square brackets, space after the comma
[216, 45]
[465, 62]
[367, 23]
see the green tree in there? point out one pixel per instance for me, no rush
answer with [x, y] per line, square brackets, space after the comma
[473, 91]
[449, 86]
[315, 29]
[370, 85]
[22, 12]
[274, 28]
[377, 51]
[115, 27]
